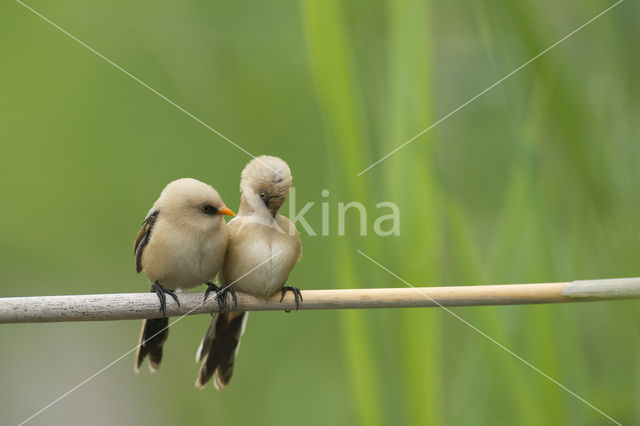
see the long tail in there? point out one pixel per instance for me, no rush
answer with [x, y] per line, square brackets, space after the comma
[219, 347]
[152, 336]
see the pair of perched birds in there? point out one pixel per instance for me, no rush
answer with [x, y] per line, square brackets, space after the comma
[185, 242]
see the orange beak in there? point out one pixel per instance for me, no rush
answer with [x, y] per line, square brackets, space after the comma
[226, 210]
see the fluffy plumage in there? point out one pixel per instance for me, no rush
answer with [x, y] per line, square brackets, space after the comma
[258, 233]
[181, 244]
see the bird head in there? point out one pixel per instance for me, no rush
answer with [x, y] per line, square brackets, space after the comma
[192, 203]
[266, 180]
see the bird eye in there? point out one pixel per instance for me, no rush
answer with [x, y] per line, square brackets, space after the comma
[208, 210]
[265, 199]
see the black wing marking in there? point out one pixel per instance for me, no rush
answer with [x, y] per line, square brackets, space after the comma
[142, 239]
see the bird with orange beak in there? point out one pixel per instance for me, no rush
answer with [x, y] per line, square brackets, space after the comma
[182, 244]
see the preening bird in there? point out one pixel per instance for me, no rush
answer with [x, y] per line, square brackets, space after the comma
[263, 248]
[181, 244]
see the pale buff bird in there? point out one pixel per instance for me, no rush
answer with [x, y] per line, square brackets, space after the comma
[181, 244]
[263, 248]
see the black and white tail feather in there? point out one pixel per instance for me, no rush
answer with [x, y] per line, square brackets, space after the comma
[152, 336]
[219, 348]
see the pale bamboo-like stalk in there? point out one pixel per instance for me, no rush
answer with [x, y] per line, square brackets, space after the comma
[127, 306]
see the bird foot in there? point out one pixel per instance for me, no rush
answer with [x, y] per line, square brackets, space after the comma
[161, 292]
[296, 294]
[210, 287]
[221, 295]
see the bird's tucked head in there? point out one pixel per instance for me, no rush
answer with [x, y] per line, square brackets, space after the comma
[266, 180]
[192, 203]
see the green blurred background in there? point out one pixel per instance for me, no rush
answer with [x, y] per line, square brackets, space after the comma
[535, 181]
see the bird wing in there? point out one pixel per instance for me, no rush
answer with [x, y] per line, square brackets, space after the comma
[142, 239]
[292, 247]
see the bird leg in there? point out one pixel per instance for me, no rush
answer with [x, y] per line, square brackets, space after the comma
[227, 289]
[160, 292]
[221, 295]
[210, 287]
[296, 294]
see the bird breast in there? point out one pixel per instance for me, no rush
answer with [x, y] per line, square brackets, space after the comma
[259, 258]
[184, 258]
